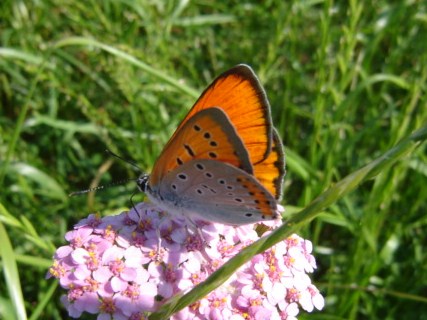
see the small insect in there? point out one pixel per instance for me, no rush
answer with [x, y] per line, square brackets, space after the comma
[225, 161]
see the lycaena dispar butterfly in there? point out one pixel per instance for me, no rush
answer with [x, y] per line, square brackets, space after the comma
[225, 161]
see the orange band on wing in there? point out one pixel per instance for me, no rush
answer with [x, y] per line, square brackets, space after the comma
[240, 95]
[271, 171]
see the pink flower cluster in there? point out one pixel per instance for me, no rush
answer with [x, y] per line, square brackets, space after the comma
[127, 266]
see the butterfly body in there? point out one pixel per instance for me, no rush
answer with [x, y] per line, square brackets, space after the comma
[225, 161]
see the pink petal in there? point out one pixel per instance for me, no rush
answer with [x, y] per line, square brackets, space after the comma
[112, 254]
[185, 284]
[123, 240]
[250, 293]
[262, 314]
[318, 301]
[102, 245]
[63, 251]
[102, 274]
[128, 274]
[306, 302]
[103, 316]
[142, 276]
[70, 235]
[154, 270]
[147, 296]
[242, 302]
[79, 255]
[292, 309]
[82, 272]
[105, 290]
[134, 257]
[301, 281]
[308, 246]
[179, 235]
[166, 290]
[118, 284]
[277, 293]
[280, 249]
[88, 302]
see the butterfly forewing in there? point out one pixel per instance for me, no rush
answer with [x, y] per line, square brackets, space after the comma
[216, 191]
[206, 135]
[240, 95]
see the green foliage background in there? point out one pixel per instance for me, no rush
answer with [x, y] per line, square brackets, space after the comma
[346, 81]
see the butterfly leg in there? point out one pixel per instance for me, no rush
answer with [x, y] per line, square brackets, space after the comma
[159, 242]
[195, 229]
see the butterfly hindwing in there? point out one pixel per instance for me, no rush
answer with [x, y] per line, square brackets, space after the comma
[217, 191]
[271, 171]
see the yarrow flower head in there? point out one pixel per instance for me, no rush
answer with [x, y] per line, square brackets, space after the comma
[127, 266]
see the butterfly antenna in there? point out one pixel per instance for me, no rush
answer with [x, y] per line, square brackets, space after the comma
[112, 184]
[132, 163]
[131, 200]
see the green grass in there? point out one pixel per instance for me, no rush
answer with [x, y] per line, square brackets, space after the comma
[346, 83]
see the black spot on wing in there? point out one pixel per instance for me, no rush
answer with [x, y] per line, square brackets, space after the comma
[189, 150]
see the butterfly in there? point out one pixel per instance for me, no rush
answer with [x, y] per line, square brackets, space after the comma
[225, 161]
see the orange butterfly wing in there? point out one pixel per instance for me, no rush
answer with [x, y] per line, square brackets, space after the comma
[240, 95]
[206, 135]
[271, 171]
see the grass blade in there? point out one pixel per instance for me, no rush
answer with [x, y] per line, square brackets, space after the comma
[125, 56]
[11, 274]
[330, 196]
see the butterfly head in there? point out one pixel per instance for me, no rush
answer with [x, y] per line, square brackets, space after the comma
[142, 182]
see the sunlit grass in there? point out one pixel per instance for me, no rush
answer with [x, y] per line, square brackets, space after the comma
[346, 83]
